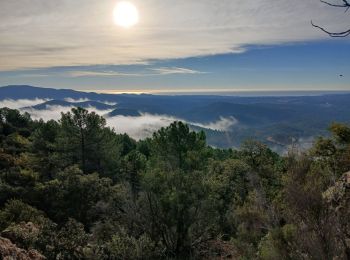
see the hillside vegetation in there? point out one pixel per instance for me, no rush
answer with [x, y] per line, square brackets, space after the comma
[74, 189]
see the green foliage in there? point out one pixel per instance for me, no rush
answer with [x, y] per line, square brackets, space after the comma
[73, 195]
[133, 165]
[176, 147]
[15, 211]
[69, 241]
[12, 121]
[74, 189]
[176, 191]
[228, 182]
[122, 246]
[278, 244]
[83, 139]
[341, 132]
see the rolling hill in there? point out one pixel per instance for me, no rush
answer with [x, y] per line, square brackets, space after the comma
[275, 120]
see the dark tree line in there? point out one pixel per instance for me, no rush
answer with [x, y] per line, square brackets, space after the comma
[74, 189]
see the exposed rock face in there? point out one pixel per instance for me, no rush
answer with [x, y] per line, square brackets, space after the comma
[9, 251]
[22, 233]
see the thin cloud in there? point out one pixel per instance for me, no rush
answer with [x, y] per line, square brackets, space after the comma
[175, 70]
[224, 124]
[77, 74]
[188, 28]
[155, 72]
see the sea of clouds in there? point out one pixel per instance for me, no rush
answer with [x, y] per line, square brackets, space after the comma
[137, 127]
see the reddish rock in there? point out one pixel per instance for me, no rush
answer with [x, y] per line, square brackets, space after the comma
[9, 251]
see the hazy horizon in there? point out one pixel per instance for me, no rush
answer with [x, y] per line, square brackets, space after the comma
[203, 92]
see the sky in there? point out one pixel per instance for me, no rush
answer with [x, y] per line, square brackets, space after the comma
[177, 46]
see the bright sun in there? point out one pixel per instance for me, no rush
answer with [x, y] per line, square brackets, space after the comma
[125, 14]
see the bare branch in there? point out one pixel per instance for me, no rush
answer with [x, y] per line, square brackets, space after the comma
[332, 34]
[346, 3]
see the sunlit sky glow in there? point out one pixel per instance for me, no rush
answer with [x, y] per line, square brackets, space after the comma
[125, 14]
[180, 45]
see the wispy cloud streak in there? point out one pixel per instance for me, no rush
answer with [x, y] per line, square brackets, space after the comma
[82, 32]
[175, 70]
[77, 74]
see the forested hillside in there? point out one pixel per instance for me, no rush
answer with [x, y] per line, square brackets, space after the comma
[74, 189]
[278, 120]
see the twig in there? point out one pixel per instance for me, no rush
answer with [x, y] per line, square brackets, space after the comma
[346, 3]
[332, 34]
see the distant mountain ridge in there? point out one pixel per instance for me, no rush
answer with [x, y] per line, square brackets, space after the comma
[63, 103]
[124, 112]
[276, 120]
[29, 92]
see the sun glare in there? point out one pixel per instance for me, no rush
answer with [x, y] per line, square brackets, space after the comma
[125, 14]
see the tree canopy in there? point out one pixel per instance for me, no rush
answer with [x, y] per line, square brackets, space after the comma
[74, 189]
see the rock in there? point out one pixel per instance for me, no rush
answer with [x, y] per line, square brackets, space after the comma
[9, 251]
[22, 232]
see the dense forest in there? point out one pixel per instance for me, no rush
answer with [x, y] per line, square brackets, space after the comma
[74, 189]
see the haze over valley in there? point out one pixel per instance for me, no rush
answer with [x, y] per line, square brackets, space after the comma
[278, 121]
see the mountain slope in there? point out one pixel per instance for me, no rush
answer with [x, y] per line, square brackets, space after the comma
[276, 120]
[63, 103]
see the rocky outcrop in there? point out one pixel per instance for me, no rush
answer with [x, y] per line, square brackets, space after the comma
[9, 251]
[23, 234]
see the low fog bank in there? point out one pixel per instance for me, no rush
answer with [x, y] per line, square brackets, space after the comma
[72, 100]
[81, 100]
[223, 125]
[137, 127]
[20, 103]
[54, 112]
[225, 132]
[145, 125]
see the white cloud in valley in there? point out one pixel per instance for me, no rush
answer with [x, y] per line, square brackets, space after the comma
[20, 103]
[137, 127]
[54, 112]
[82, 32]
[72, 100]
[146, 124]
[223, 124]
